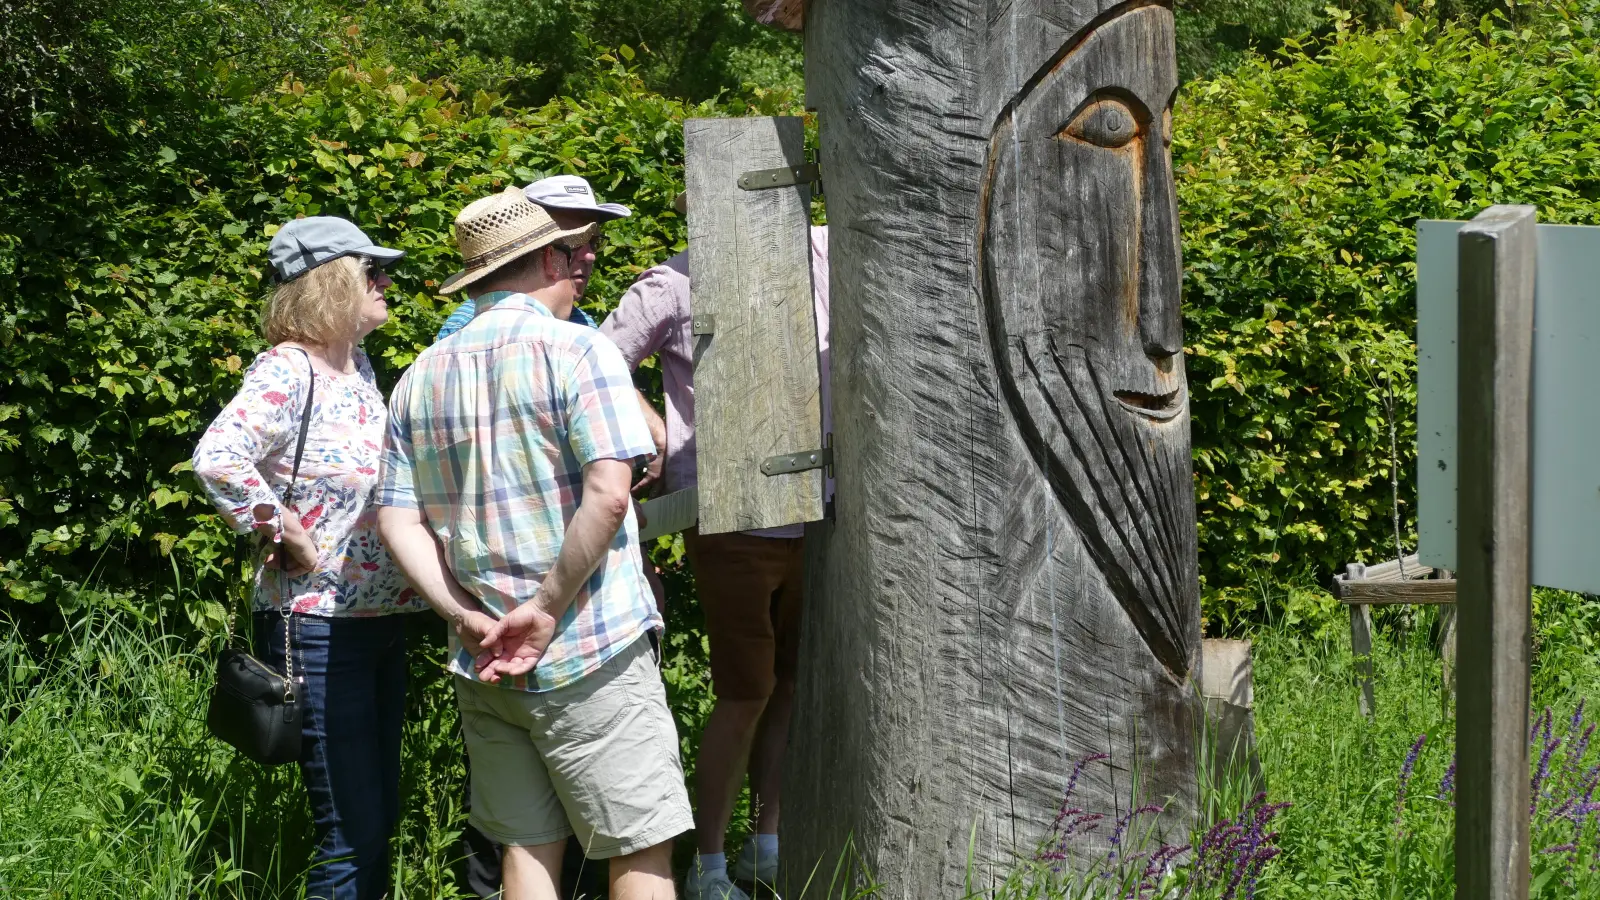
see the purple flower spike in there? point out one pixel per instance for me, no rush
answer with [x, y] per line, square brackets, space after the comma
[1072, 782]
[1447, 787]
[1542, 774]
[1406, 769]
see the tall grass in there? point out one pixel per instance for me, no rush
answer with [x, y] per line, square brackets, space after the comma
[110, 785]
[1372, 815]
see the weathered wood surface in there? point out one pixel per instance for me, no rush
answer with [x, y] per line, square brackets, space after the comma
[1407, 567]
[669, 513]
[1227, 687]
[1493, 514]
[1391, 593]
[1395, 582]
[1361, 649]
[1446, 646]
[1010, 583]
[756, 377]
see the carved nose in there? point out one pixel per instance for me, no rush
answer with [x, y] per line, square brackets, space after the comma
[1161, 265]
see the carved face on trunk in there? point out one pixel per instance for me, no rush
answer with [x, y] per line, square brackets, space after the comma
[1079, 257]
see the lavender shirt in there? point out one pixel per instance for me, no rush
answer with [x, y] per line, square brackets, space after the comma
[653, 318]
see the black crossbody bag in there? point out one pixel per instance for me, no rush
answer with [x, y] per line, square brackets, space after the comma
[253, 707]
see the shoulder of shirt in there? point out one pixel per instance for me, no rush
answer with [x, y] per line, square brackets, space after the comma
[519, 330]
[280, 360]
[672, 273]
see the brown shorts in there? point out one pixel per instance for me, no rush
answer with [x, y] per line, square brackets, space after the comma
[750, 590]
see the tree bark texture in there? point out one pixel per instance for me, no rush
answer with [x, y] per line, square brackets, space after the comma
[1009, 584]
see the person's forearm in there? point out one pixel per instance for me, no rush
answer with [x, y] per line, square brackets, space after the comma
[658, 426]
[589, 536]
[421, 559]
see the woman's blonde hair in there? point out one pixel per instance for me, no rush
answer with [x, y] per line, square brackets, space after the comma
[320, 306]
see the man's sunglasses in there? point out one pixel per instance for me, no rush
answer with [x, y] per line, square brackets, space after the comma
[595, 244]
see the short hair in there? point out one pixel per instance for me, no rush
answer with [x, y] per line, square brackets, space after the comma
[512, 271]
[320, 306]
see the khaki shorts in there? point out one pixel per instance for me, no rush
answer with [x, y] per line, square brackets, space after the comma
[750, 590]
[597, 758]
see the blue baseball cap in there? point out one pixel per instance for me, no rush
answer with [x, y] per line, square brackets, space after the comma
[304, 244]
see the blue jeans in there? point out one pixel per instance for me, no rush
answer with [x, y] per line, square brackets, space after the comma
[354, 699]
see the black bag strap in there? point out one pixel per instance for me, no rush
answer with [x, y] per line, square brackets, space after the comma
[285, 609]
[305, 426]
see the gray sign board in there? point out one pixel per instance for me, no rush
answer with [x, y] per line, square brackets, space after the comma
[1566, 406]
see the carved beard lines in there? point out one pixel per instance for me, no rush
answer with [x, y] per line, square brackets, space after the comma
[1164, 637]
[1162, 545]
[1161, 635]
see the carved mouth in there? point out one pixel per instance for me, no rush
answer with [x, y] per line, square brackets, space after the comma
[1151, 406]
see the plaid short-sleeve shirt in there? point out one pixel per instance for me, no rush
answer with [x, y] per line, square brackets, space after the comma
[488, 436]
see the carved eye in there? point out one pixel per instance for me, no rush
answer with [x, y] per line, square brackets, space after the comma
[1105, 123]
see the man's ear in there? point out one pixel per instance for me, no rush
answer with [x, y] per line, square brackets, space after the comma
[550, 264]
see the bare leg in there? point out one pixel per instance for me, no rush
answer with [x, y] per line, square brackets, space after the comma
[724, 752]
[766, 758]
[645, 875]
[532, 873]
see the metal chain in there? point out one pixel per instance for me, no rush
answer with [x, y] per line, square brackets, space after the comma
[285, 610]
[288, 653]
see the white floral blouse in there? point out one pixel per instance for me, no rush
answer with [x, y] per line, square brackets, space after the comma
[245, 457]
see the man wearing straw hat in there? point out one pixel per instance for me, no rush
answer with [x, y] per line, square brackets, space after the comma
[505, 501]
[571, 201]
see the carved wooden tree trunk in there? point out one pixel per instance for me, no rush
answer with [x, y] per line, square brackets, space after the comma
[1010, 582]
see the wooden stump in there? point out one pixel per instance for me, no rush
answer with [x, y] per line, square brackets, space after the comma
[1010, 582]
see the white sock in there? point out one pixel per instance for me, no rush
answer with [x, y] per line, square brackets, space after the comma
[761, 846]
[707, 863]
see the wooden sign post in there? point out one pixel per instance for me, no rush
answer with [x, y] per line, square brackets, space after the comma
[1010, 582]
[1496, 290]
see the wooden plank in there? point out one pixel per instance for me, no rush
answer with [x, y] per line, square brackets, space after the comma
[1493, 556]
[1226, 686]
[1390, 593]
[756, 380]
[1447, 659]
[1361, 649]
[1009, 583]
[1389, 570]
[669, 513]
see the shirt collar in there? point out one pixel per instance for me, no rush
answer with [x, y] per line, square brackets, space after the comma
[508, 300]
[523, 301]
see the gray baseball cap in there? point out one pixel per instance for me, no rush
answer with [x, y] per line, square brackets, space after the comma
[304, 244]
[571, 193]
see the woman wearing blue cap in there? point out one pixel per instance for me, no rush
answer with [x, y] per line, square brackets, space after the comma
[342, 590]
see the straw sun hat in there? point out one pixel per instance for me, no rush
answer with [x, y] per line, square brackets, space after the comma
[499, 228]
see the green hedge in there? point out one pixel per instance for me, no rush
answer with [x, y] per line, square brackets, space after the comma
[131, 292]
[130, 286]
[1300, 184]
